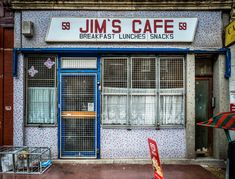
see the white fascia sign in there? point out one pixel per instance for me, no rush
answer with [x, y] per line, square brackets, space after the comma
[121, 30]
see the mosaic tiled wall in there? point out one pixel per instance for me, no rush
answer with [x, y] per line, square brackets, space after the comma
[131, 144]
[29, 136]
[208, 33]
[43, 137]
[121, 143]
[18, 104]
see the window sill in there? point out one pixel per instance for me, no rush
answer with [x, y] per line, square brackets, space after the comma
[41, 125]
[109, 126]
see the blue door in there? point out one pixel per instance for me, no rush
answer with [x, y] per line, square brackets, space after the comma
[78, 115]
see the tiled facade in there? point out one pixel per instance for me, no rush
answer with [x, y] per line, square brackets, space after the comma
[116, 143]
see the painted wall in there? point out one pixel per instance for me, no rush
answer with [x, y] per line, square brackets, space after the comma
[132, 144]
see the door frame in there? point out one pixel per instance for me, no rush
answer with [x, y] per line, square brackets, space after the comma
[210, 92]
[67, 72]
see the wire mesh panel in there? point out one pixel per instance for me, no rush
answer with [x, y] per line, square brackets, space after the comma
[41, 89]
[78, 115]
[171, 73]
[79, 62]
[115, 72]
[143, 91]
[25, 160]
[33, 160]
[41, 71]
[114, 91]
[8, 158]
[172, 91]
[143, 74]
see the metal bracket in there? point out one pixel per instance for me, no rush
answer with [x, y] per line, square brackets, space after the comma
[213, 102]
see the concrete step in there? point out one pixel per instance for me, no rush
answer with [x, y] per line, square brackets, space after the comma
[198, 161]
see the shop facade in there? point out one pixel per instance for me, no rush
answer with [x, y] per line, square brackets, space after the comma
[97, 84]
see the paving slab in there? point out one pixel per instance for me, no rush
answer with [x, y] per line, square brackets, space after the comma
[115, 171]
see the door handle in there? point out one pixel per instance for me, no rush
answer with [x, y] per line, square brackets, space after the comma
[8, 108]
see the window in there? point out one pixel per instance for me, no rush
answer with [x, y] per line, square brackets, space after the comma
[143, 91]
[171, 91]
[40, 90]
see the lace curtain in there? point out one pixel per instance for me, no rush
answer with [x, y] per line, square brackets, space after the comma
[115, 110]
[143, 108]
[41, 105]
[171, 109]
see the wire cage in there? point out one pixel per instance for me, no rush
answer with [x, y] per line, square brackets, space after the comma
[8, 156]
[25, 160]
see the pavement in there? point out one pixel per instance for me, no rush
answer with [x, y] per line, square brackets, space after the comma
[116, 171]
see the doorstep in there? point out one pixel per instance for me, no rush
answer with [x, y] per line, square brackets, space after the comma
[198, 161]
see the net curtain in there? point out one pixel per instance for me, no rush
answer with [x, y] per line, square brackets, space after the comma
[41, 105]
[143, 109]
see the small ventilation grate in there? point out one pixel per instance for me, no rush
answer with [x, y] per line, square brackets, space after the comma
[79, 62]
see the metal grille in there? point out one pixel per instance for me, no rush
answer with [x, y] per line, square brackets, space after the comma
[141, 91]
[115, 72]
[44, 76]
[114, 91]
[78, 115]
[143, 73]
[25, 160]
[41, 89]
[79, 62]
[78, 134]
[171, 73]
[33, 160]
[171, 91]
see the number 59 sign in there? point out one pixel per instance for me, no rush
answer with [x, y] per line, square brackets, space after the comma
[158, 173]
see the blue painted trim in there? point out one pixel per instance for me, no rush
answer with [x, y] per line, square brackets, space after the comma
[77, 71]
[98, 104]
[79, 154]
[103, 51]
[15, 63]
[116, 50]
[59, 105]
[95, 123]
[63, 73]
[228, 64]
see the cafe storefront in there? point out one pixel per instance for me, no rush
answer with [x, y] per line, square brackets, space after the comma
[97, 84]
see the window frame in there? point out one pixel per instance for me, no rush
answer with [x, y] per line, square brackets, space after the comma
[158, 94]
[110, 94]
[25, 64]
[182, 93]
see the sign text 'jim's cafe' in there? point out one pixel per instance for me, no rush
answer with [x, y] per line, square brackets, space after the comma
[122, 30]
